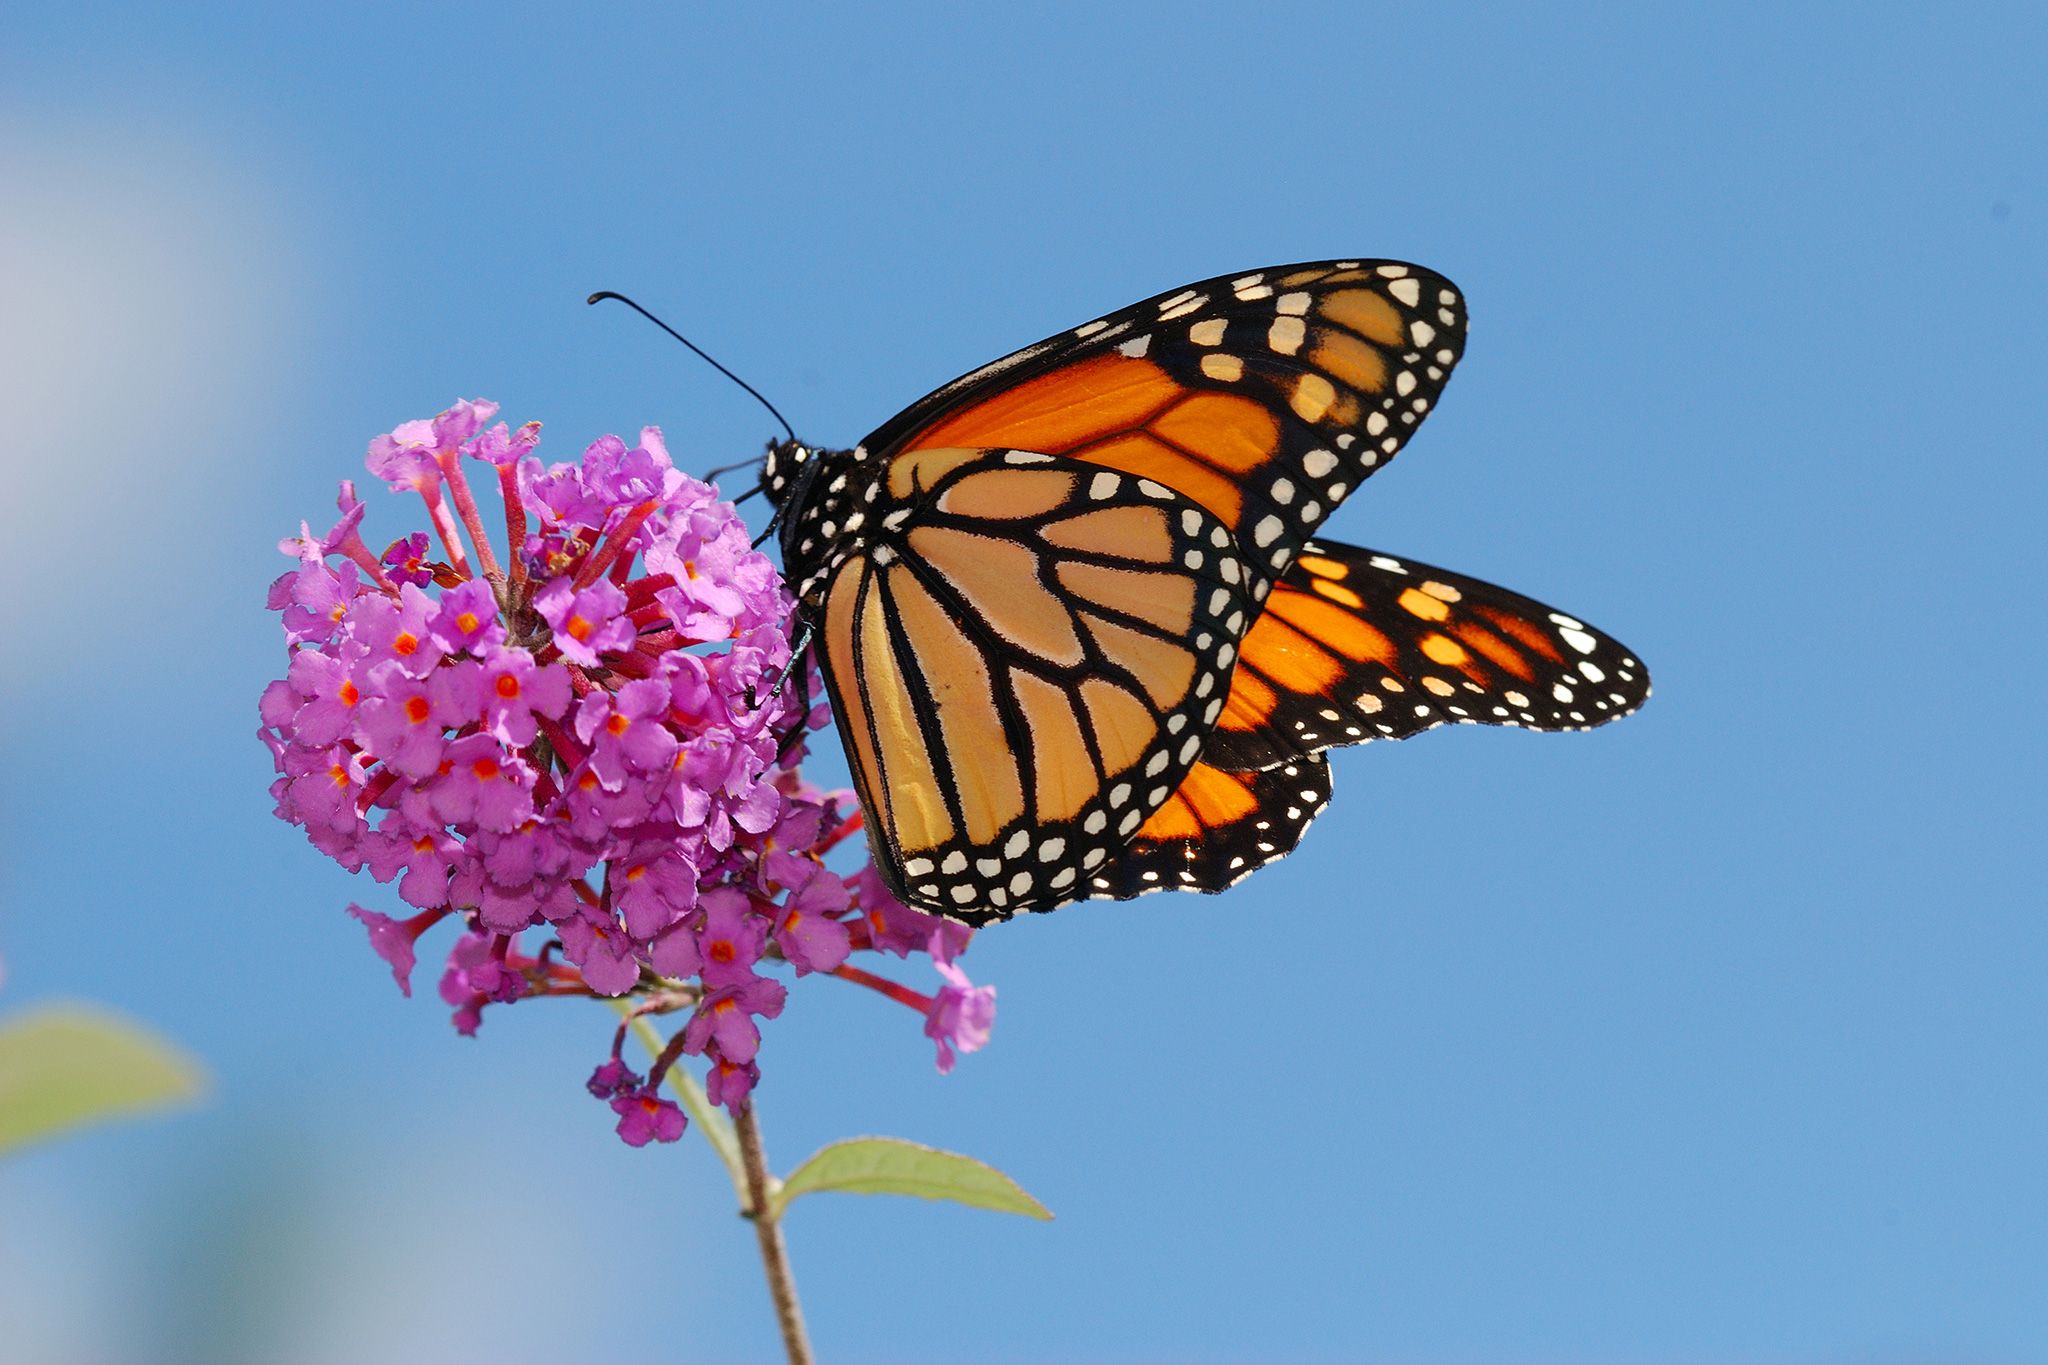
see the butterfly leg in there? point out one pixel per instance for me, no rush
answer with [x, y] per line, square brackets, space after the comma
[799, 665]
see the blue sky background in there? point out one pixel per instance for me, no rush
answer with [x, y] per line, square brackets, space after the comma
[1714, 1035]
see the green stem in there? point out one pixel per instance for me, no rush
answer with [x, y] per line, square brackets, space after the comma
[709, 1118]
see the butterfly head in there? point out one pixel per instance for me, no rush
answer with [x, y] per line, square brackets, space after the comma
[782, 466]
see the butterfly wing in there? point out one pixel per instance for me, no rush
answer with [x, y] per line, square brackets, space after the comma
[1355, 645]
[1265, 397]
[1218, 828]
[1042, 670]
[1023, 665]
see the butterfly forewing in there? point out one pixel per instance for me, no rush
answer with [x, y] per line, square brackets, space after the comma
[1265, 397]
[1356, 645]
[1025, 662]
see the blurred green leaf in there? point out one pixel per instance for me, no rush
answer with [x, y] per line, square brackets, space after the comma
[878, 1165]
[64, 1066]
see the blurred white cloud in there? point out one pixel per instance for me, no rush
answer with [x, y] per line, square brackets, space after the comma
[142, 291]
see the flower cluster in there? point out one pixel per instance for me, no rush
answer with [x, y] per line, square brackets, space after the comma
[552, 747]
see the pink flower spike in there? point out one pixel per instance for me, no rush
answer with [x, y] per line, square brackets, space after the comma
[961, 1017]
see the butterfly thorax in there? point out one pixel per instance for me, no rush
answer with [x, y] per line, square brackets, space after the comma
[823, 501]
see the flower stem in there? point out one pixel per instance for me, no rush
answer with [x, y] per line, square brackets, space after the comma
[768, 1228]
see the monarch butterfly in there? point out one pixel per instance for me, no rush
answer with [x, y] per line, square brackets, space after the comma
[1078, 635]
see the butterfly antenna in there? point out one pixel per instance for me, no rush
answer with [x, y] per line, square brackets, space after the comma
[613, 294]
[710, 474]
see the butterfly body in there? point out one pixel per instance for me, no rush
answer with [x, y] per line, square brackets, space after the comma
[1078, 637]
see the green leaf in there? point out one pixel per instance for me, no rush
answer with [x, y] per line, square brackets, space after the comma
[64, 1066]
[880, 1165]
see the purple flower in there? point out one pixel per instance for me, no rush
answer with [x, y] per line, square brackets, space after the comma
[559, 497]
[726, 1018]
[400, 724]
[320, 599]
[895, 928]
[961, 1017]
[599, 946]
[461, 422]
[612, 1078]
[513, 689]
[653, 892]
[644, 1116]
[484, 786]
[805, 929]
[623, 477]
[495, 446]
[585, 622]
[468, 618]
[400, 632]
[404, 459]
[328, 697]
[405, 560]
[627, 734]
[729, 1083]
[393, 941]
[731, 940]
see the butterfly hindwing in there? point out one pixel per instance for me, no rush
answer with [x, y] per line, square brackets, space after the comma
[1356, 645]
[1218, 828]
[1024, 663]
[1265, 397]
